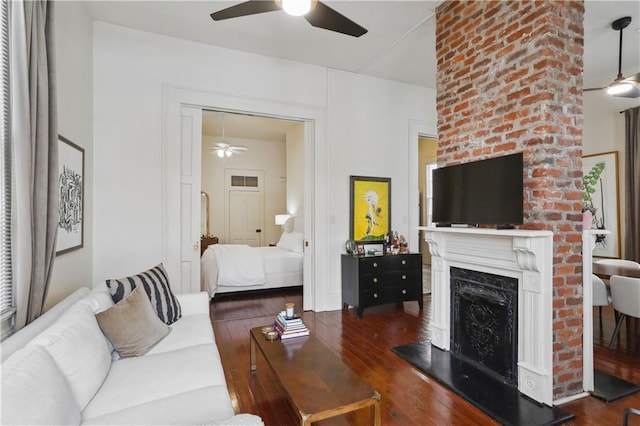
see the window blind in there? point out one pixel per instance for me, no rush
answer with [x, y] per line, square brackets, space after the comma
[7, 311]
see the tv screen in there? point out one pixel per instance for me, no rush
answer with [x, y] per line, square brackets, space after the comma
[480, 192]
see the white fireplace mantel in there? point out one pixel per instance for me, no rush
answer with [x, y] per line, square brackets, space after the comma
[521, 254]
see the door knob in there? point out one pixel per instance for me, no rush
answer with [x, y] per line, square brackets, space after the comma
[258, 230]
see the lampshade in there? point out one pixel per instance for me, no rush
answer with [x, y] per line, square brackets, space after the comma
[281, 219]
[296, 7]
[619, 87]
[628, 87]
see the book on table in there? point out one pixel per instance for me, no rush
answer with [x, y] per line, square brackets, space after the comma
[289, 328]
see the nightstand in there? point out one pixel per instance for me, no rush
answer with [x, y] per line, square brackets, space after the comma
[206, 242]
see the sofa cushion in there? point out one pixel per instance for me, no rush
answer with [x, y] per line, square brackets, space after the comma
[79, 349]
[155, 282]
[242, 419]
[35, 391]
[140, 380]
[19, 340]
[196, 407]
[132, 325]
[191, 330]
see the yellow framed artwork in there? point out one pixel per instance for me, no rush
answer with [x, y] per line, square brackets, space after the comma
[370, 208]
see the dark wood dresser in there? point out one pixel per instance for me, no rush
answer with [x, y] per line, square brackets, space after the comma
[376, 280]
[206, 242]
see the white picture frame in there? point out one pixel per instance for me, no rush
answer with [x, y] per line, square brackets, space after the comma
[606, 201]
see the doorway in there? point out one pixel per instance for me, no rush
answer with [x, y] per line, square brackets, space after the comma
[263, 169]
[427, 159]
[175, 100]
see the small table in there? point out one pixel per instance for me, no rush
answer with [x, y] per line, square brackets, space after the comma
[317, 383]
[605, 271]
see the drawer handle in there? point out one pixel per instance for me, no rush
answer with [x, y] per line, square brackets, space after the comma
[375, 265]
[404, 291]
[404, 277]
[404, 262]
[375, 295]
[375, 280]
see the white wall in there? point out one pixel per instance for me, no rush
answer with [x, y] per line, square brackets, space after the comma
[268, 156]
[295, 174]
[604, 132]
[366, 133]
[131, 71]
[74, 53]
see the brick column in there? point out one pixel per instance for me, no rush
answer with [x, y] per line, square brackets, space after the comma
[510, 80]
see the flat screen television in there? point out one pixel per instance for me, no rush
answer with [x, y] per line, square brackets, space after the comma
[487, 192]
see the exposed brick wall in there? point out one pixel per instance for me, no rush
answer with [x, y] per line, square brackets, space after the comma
[510, 80]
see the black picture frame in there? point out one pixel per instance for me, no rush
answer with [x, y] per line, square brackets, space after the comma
[370, 209]
[71, 191]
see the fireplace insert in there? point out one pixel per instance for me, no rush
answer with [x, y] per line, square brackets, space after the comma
[484, 322]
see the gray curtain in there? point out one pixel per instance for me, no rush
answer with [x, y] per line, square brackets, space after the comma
[44, 150]
[632, 192]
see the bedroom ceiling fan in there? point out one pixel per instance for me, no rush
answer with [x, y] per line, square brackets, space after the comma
[622, 87]
[315, 12]
[224, 149]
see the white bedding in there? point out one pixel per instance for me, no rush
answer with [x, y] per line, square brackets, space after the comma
[225, 268]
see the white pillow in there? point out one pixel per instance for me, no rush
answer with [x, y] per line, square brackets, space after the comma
[77, 345]
[35, 391]
[292, 241]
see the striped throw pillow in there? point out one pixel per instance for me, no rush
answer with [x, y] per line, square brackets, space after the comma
[155, 282]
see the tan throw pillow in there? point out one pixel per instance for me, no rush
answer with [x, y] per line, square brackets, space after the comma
[132, 325]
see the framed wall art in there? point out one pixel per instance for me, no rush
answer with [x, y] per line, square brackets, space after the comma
[600, 178]
[71, 190]
[370, 209]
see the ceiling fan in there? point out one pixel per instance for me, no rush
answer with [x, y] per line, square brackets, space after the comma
[622, 87]
[224, 149]
[315, 12]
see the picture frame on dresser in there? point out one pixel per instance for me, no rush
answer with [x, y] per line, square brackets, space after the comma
[71, 191]
[370, 209]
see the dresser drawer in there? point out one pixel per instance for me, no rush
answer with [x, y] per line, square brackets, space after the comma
[390, 278]
[390, 262]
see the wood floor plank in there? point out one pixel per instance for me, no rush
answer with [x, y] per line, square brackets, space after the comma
[409, 397]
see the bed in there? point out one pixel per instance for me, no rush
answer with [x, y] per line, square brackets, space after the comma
[228, 268]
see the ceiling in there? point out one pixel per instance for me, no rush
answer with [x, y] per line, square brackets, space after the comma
[400, 44]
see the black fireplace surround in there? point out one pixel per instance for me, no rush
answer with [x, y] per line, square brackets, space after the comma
[484, 322]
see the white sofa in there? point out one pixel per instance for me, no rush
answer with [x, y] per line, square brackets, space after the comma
[61, 369]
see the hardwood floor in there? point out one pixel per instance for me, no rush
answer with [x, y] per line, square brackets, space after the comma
[409, 397]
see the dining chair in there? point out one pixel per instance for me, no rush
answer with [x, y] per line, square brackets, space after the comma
[601, 294]
[625, 297]
[619, 262]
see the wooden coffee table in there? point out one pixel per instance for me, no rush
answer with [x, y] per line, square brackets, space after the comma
[317, 383]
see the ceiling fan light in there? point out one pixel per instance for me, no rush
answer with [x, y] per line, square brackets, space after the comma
[220, 153]
[619, 88]
[296, 7]
[227, 152]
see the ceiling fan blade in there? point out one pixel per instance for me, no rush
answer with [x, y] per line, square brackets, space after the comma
[322, 16]
[250, 7]
[238, 148]
[593, 89]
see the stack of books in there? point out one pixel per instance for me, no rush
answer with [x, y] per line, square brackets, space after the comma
[289, 328]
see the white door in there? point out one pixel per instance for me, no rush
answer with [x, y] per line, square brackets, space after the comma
[190, 167]
[245, 218]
